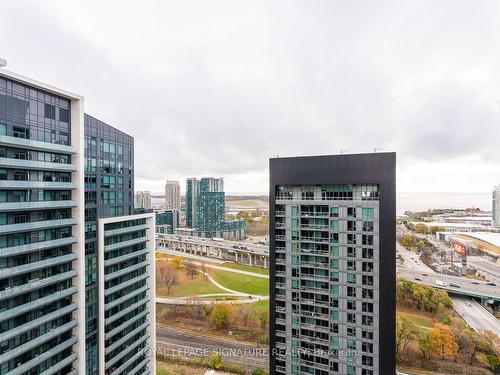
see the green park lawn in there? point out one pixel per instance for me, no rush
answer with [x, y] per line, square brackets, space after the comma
[162, 371]
[261, 306]
[241, 283]
[190, 287]
[243, 267]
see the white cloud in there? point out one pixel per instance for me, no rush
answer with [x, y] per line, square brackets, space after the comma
[216, 88]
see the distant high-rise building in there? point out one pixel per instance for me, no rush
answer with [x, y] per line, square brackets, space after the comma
[173, 195]
[167, 221]
[205, 209]
[192, 187]
[143, 200]
[332, 251]
[496, 206]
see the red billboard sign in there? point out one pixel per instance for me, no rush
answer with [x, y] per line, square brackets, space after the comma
[460, 248]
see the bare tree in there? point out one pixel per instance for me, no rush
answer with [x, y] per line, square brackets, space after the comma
[170, 280]
[191, 269]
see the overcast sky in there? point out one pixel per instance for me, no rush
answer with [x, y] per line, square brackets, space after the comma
[215, 88]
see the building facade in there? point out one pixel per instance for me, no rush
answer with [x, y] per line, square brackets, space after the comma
[42, 295]
[65, 298]
[173, 195]
[206, 210]
[192, 188]
[332, 247]
[496, 206]
[109, 187]
[127, 328]
[143, 200]
[167, 221]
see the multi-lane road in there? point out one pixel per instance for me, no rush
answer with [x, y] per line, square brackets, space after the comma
[414, 270]
[476, 316]
[491, 270]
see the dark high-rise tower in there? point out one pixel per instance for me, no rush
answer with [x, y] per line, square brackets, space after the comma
[332, 238]
[119, 278]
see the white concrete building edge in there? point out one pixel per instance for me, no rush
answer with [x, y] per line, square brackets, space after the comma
[77, 159]
[151, 283]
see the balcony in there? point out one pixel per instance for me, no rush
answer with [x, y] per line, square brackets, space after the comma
[126, 284]
[18, 350]
[36, 304]
[131, 229]
[36, 225]
[125, 311]
[125, 324]
[280, 261]
[47, 185]
[59, 366]
[114, 275]
[36, 165]
[36, 322]
[137, 368]
[34, 285]
[125, 257]
[315, 264]
[6, 140]
[23, 369]
[127, 363]
[31, 267]
[315, 239]
[120, 245]
[280, 213]
[313, 289]
[314, 214]
[127, 296]
[129, 335]
[35, 246]
[42, 205]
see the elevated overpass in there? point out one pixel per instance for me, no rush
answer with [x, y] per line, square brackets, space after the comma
[467, 287]
[239, 252]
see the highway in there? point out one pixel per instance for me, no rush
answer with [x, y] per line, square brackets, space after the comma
[466, 286]
[476, 316]
[173, 341]
[489, 268]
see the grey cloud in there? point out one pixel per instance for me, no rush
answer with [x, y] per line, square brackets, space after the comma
[218, 89]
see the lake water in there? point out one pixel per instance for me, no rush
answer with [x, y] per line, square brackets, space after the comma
[425, 201]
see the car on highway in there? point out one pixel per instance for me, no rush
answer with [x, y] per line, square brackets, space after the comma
[454, 285]
[424, 274]
[440, 283]
[468, 303]
[474, 282]
[490, 283]
[418, 278]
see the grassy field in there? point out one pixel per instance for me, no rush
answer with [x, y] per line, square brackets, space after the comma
[419, 318]
[241, 283]
[243, 267]
[163, 371]
[261, 306]
[186, 286]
